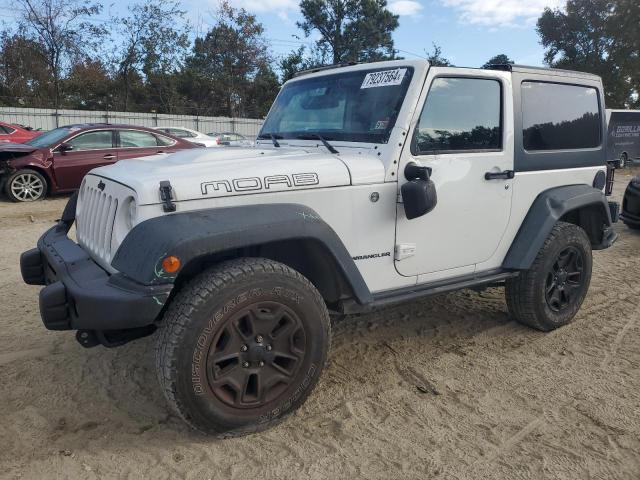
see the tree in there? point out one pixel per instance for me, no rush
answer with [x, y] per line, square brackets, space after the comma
[436, 59]
[299, 60]
[350, 30]
[500, 59]
[24, 74]
[587, 36]
[226, 61]
[626, 47]
[89, 86]
[64, 30]
[154, 43]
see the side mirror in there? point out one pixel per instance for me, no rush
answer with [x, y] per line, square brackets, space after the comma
[64, 147]
[419, 193]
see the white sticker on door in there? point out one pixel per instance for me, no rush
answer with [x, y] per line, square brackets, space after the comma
[383, 79]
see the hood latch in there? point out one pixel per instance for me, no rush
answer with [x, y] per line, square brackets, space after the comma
[166, 195]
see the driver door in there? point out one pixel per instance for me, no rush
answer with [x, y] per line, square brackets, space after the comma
[89, 150]
[460, 133]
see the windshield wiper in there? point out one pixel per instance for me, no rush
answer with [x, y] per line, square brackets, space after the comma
[311, 136]
[274, 138]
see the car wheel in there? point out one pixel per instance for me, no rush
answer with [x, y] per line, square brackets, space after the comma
[550, 293]
[241, 346]
[622, 161]
[26, 186]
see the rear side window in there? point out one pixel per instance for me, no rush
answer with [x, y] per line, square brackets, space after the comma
[136, 138]
[460, 114]
[164, 141]
[560, 117]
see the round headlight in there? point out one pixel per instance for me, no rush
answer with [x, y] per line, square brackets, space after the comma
[131, 213]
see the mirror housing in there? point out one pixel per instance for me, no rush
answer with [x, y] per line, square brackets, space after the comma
[64, 147]
[419, 198]
[419, 195]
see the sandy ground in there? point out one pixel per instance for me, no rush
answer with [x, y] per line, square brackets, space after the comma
[448, 387]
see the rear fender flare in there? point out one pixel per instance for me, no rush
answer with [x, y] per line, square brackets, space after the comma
[547, 209]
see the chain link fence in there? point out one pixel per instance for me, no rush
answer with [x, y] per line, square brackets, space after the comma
[47, 119]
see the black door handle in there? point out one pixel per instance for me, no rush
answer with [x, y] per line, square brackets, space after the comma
[503, 175]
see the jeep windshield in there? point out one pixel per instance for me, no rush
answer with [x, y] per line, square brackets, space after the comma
[357, 106]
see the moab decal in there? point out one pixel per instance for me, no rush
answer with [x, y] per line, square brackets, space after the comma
[260, 183]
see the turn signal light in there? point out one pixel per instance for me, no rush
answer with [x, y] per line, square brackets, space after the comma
[171, 264]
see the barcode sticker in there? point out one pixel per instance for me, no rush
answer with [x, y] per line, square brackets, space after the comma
[384, 79]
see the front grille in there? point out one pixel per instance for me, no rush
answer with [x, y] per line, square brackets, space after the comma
[95, 220]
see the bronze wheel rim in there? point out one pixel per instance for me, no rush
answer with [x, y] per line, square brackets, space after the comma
[256, 355]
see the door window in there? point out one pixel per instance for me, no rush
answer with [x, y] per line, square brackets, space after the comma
[560, 117]
[98, 140]
[137, 139]
[460, 114]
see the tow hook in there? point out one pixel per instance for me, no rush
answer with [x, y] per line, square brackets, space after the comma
[112, 338]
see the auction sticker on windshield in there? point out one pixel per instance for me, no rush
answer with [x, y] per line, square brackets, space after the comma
[383, 79]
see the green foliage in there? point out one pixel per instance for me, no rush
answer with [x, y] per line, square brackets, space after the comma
[500, 59]
[600, 37]
[350, 30]
[64, 31]
[229, 63]
[154, 42]
[436, 59]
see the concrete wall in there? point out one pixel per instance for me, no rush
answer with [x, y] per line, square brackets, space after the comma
[47, 119]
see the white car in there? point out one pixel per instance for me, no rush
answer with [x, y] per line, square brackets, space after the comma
[369, 185]
[190, 135]
[230, 139]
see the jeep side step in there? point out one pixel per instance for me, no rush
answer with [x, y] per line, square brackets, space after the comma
[486, 279]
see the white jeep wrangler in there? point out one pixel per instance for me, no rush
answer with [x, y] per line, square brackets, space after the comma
[368, 184]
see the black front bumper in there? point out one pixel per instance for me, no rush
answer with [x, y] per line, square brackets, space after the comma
[631, 204]
[81, 295]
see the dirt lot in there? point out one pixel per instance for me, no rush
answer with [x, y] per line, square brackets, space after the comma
[448, 387]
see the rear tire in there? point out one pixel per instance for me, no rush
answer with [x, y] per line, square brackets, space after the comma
[622, 161]
[26, 186]
[241, 346]
[550, 293]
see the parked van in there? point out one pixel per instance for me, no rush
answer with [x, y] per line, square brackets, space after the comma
[623, 139]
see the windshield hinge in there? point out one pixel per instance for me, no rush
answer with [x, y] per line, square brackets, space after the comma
[166, 195]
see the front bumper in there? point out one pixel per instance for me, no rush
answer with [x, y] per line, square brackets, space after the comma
[630, 214]
[80, 295]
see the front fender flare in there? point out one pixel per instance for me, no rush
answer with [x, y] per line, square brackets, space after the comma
[190, 235]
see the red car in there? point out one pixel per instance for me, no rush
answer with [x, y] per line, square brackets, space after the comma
[57, 160]
[15, 134]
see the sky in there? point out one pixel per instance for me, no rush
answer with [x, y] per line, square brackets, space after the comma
[468, 31]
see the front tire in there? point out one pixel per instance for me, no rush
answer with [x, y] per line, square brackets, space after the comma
[26, 186]
[550, 293]
[241, 346]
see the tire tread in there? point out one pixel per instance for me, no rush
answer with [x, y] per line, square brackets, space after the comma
[193, 295]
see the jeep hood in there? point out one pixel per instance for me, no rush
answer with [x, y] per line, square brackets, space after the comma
[211, 173]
